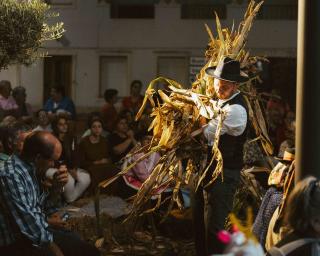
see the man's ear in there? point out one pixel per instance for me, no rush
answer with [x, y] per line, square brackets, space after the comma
[315, 222]
[37, 158]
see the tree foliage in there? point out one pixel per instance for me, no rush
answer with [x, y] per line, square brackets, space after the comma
[23, 29]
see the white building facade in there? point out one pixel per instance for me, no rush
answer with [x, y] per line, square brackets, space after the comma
[103, 49]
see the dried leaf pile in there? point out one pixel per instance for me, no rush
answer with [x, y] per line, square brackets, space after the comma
[176, 113]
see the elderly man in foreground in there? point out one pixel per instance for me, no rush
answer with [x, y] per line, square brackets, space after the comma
[24, 229]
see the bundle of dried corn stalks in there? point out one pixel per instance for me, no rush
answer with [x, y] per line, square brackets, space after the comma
[176, 120]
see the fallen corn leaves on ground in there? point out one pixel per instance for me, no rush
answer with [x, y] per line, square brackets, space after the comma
[118, 238]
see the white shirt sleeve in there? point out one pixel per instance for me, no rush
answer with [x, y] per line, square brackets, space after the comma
[234, 123]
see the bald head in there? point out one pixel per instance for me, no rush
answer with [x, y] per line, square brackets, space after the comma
[42, 149]
[42, 144]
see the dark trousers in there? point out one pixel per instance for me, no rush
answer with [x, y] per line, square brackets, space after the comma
[71, 244]
[211, 208]
[68, 242]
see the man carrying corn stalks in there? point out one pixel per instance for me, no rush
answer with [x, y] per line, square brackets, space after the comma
[214, 202]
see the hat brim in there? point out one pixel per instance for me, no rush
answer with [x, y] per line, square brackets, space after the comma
[232, 78]
[283, 160]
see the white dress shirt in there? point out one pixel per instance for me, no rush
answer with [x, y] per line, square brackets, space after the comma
[234, 124]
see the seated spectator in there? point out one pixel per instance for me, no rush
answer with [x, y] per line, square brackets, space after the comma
[59, 103]
[8, 105]
[303, 217]
[43, 121]
[6, 146]
[122, 140]
[134, 101]
[143, 124]
[8, 120]
[277, 103]
[24, 110]
[135, 177]
[127, 114]
[288, 130]
[78, 179]
[108, 112]
[88, 131]
[94, 155]
[24, 228]
[141, 171]
[276, 111]
[12, 137]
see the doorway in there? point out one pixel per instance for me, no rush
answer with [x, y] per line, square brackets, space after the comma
[57, 72]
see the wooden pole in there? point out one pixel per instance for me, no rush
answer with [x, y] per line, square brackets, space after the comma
[308, 90]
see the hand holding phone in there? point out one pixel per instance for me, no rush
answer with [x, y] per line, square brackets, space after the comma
[65, 216]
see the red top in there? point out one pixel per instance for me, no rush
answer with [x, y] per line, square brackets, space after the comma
[109, 116]
[132, 104]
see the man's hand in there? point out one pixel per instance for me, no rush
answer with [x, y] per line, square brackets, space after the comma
[202, 121]
[47, 183]
[74, 173]
[62, 175]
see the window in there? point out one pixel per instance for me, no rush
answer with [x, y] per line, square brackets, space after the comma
[114, 74]
[175, 68]
[203, 11]
[132, 11]
[278, 12]
[196, 64]
[60, 2]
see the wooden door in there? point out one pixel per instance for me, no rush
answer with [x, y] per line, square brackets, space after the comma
[57, 72]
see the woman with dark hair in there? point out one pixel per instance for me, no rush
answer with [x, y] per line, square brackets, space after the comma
[88, 131]
[108, 112]
[134, 101]
[78, 179]
[122, 140]
[303, 218]
[8, 136]
[11, 140]
[43, 121]
[12, 137]
[94, 155]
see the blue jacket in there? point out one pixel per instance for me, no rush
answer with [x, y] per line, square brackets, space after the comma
[65, 104]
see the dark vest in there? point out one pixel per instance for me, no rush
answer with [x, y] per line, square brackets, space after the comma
[231, 147]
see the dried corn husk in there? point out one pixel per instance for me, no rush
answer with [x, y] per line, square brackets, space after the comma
[176, 120]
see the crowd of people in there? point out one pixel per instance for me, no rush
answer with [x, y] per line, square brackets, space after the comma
[44, 165]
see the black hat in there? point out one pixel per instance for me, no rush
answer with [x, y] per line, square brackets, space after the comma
[228, 70]
[288, 155]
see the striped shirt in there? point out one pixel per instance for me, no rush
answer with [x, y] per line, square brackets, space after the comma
[21, 204]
